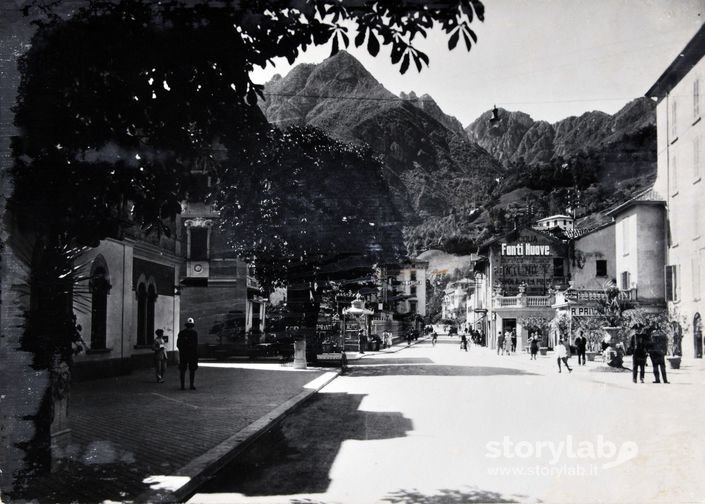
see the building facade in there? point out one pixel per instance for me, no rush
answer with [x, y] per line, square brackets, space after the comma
[410, 287]
[128, 290]
[680, 143]
[217, 288]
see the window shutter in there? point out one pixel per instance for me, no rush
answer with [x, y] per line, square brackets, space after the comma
[670, 284]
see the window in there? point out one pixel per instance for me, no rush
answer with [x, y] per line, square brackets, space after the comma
[412, 275]
[695, 274]
[146, 299]
[601, 268]
[674, 120]
[671, 282]
[558, 267]
[674, 174]
[696, 157]
[99, 288]
[199, 244]
[626, 280]
[697, 221]
[696, 99]
[413, 290]
[412, 306]
[625, 236]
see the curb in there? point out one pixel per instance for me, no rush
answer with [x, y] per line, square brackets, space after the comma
[200, 469]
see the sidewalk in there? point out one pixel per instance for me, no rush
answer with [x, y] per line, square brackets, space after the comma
[133, 439]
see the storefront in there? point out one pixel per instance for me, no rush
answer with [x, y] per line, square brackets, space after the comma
[524, 268]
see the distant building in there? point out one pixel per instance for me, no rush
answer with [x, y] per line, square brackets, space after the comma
[564, 222]
[680, 142]
[411, 287]
[455, 299]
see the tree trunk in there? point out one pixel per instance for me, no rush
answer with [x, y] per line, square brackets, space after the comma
[49, 334]
[303, 304]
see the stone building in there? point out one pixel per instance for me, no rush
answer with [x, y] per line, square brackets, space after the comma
[680, 142]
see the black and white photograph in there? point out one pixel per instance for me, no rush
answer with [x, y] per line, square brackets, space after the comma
[352, 251]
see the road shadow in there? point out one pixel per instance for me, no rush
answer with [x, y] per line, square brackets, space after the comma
[434, 370]
[454, 496]
[375, 361]
[296, 456]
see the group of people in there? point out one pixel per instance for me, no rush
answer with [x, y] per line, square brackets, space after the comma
[187, 343]
[643, 345]
[506, 342]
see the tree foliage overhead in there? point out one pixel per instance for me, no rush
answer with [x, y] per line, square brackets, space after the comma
[120, 98]
[310, 201]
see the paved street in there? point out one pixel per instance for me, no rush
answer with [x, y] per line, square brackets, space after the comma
[133, 438]
[436, 424]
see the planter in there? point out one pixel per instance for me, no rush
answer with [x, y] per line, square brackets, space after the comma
[674, 362]
[611, 335]
[543, 350]
[591, 356]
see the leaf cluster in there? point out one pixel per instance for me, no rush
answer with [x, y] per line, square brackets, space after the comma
[309, 200]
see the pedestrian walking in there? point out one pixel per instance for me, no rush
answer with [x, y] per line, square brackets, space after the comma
[464, 342]
[387, 336]
[434, 338]
[508, 342]
[513, 337]
[638, 347]
[363, 341]
[187, 343]
[562, 355]
[580, 346]
[657, 352]
[500, 342]
[160, 355]
[534, 346]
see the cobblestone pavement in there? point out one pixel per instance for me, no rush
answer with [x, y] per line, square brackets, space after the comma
[129, 429]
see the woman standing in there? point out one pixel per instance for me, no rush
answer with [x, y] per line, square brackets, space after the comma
[534, 346]
[160, 356]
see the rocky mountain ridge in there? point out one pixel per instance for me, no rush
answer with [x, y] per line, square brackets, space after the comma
[516, 136]
[453, 185]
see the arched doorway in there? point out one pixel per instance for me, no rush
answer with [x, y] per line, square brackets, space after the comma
[697, 336]
[99, 287]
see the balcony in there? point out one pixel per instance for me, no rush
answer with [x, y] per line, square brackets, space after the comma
[580, 295]
[523, 301]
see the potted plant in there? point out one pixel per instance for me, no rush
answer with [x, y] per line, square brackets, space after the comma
[660, 322]
[675, 337]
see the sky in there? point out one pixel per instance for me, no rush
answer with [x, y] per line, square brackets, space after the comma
[549, 58]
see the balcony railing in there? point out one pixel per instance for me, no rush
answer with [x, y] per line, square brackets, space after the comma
[523, 301]
[573, 294]
[538, 300]
[508, 301]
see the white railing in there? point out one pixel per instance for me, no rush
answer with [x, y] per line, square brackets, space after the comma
[524, 301]
[508, 300]
[538, 300]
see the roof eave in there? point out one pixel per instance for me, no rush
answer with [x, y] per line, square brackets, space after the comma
[679, 67]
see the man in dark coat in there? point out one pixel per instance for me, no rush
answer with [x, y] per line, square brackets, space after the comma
[580, 345]
[658, 350]
[187, 344]
[639, 350]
